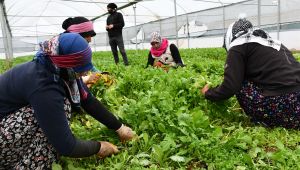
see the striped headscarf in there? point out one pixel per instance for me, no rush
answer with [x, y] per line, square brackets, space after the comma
[80, 25]
[68, 50]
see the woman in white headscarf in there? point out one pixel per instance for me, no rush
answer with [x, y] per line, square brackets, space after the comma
[263, 74]
[163, 53]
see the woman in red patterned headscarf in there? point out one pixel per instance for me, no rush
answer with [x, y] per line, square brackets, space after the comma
[35, 107]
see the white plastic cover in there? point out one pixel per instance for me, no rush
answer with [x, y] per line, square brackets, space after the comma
[44, 17]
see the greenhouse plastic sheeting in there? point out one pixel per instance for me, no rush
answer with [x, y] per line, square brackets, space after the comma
[31, 22]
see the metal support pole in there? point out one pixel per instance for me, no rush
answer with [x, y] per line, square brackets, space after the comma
[258, 12]
[134, 10]
[278, 19]
[176, 29]
[188, 29]
[37, 37]
[7, 40]
[94, 43]
[224, 29]
[143, 37]
[160, 29]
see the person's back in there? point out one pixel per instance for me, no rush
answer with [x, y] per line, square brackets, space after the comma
[18, 84]
[273, 70]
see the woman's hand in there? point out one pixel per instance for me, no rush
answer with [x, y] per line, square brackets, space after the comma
[158, 64]
[107, 149]
[91, 79]
[204, 89]
[125, 133]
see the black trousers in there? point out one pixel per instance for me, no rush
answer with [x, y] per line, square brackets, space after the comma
[115, 42]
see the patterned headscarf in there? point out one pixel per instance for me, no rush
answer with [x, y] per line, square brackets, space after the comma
[241, 27]
[242, 31]
[235, 30]
[67, 50]
[163, 44]
[155, 37]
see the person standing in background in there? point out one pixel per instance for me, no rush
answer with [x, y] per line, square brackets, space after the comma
[114, 26]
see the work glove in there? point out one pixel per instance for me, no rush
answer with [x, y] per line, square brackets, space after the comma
[107, 149]
[125, 133]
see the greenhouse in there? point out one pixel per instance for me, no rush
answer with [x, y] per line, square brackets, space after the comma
[199, 84]
[199, 23]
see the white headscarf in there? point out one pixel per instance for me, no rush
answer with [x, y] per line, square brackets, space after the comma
[237, 34]
[228, 37]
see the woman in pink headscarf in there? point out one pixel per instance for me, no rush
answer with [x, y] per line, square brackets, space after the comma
[80, 25]
[85, 28]
[163, 53]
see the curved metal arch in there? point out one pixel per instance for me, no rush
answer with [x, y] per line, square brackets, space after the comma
[7, 37]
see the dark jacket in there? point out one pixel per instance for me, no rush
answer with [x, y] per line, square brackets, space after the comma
[33, 84]
[117, 20]
[276, 72]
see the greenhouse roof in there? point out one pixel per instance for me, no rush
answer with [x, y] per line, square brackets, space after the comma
[28, 22]
[44, 17]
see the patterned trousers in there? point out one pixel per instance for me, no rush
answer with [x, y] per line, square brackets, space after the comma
[272, 111]
[23, 144]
